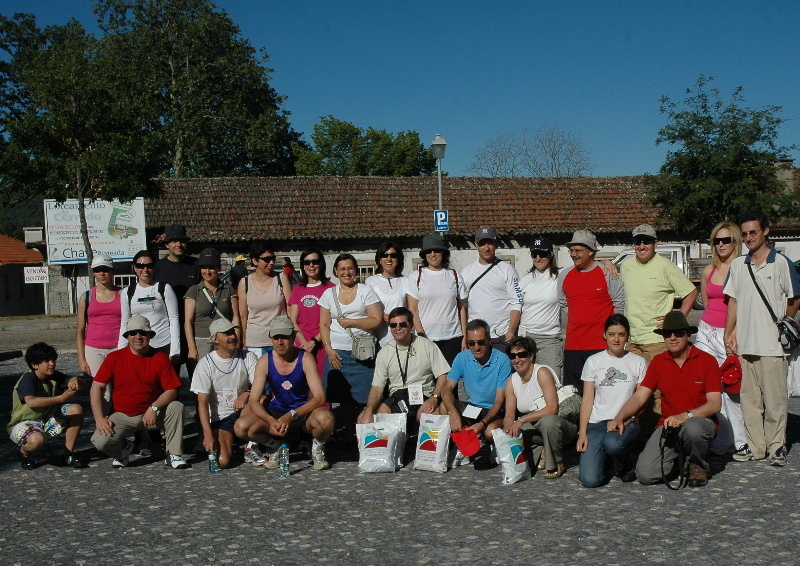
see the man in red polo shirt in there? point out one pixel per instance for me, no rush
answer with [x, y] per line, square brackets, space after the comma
[691, 394]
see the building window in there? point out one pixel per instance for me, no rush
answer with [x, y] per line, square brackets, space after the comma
[364, 271]
[124, 280]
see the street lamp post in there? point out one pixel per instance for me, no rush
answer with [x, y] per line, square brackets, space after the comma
[439, 146]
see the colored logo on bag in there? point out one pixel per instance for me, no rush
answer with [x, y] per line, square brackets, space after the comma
[428, 439]
[517, 450]
[375, 440]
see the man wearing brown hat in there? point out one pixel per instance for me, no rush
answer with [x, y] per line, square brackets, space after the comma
[144, 395]
[691, 395]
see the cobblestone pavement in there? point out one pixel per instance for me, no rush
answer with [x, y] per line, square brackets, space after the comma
[147, 513]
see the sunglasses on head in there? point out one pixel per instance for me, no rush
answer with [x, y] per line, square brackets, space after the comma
[312, 261]
[473, 343]
[267, 258]
[643, 241]
[101, 270]
[718, 241]
[398, 324]
[138, 265]
[676, 333]
[515, 355]
[390, 254]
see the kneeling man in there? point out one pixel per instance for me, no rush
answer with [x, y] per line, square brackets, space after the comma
[691, 396]
[291, 375]
[144, 395]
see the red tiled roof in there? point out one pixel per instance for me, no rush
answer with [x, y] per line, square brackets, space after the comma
[13, 251]
[330, 208]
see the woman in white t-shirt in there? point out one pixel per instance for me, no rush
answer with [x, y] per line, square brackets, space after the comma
[389, 284]
[531, 382]
[610, 378]
[358, 313]
[437, 297]
[540, 318]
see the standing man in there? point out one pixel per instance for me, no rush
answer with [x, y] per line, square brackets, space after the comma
[494, 292]
[144, 395]
[755, 339]
[691, 394]
[587, 295]
[651, 283]
[181, 271]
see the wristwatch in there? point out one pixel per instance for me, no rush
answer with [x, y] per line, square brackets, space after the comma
[155, 409]
[689, 414]
[435, 395]
[294, 414]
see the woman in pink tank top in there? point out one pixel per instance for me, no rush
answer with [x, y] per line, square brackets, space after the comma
[726, 244]
[99, 318]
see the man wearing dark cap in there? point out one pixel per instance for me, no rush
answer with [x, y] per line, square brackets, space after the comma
[144, 395]
[180, 271]
[493, 287]
[588, 295]
[691, 395]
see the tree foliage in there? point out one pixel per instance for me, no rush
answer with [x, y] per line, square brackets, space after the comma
[549, 151]
[724, 161]
[341, 148]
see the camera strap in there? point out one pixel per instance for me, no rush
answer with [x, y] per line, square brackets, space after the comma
[683, 467]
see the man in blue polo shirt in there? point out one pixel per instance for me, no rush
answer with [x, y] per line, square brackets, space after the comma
[484, 371]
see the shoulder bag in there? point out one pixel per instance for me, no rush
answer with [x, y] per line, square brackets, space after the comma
[788, 329]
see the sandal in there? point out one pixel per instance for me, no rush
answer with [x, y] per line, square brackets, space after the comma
[555, 474]
[541, 464]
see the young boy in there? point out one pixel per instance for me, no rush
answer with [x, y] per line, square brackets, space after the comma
[36, 400]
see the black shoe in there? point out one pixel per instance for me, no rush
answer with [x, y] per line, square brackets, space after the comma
[27, 462]
[70, 460]
[627, 476]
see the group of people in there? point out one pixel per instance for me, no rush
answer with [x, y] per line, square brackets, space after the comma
[586, 354]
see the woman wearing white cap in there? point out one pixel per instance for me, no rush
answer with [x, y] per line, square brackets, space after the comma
[99, 318]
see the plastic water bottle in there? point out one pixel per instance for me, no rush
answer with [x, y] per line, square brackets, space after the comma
[284, 460]
[213, 463]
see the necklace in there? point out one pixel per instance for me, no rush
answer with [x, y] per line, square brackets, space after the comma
[349, 290]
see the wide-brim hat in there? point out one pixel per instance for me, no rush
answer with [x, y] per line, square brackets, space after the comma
[175, 232]
[675, 320]
[583, 238]
[138, 322]
[219, 325]
[433, 241]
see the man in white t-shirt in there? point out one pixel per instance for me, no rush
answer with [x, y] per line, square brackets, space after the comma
[494, 292]
[222, 381]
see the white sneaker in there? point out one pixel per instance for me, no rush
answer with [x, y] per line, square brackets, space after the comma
[176, 462]
[318, 457]
[274, 461]
[124, 456]
[252, 455]
[457, 458]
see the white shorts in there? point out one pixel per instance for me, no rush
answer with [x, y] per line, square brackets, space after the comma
[21, 431]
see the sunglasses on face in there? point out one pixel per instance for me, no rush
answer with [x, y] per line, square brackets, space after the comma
[267, 258]
[390, 254]
[138, 265]
[138, 333]
[429, 252]
[515, 355]
[643, 241]
[718, 241]
[398, 325]
[676, 333]
[474, 343]
[101, 270]
[751, 232]
[543, 255]
[312, 262]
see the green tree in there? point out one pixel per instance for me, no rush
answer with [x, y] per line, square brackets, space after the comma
[204, 84]
[68, 131]
[724, 163]
[341, 148]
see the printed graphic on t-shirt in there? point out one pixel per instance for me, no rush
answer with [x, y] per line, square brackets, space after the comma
[613, 375]
[309, 301]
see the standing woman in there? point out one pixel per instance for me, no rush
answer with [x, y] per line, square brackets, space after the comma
[156, 302]
[540, 318]
[726, 244]
[437, 297]
[205, 302]
[348, 310]
[262, 296]
[389, 284]
[304, 304]
[99, 318]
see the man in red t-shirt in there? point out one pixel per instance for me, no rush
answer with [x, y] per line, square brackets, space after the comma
[588, 295]
[144, 395]
[691, 396]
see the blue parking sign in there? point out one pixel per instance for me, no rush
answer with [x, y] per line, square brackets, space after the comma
[441, 222]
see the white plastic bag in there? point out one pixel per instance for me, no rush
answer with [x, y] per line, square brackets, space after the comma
[511, 453]
[401, 420]
[377, 446]
[432, 443]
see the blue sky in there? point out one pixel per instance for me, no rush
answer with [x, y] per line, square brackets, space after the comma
[469, 70]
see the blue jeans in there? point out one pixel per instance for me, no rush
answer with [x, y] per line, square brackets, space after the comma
[601, 444]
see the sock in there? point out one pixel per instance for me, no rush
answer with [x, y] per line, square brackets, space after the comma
[318, 443]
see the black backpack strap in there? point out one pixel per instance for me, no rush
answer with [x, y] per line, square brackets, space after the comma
[131, 291]
[87, 296]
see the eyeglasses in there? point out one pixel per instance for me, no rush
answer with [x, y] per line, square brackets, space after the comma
[718, 241]
[390, 254]
[267, 258]
[398, 324]
[474, 343]
[676, 333]
[138, 265]
[312, 262]
[138, 333]
[541, 254]
[643, 241]
[578, 250]
[101, 270]
[751, 232]
[515, 355]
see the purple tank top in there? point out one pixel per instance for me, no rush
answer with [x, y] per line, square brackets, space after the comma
[291, 390]
[717, 308]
